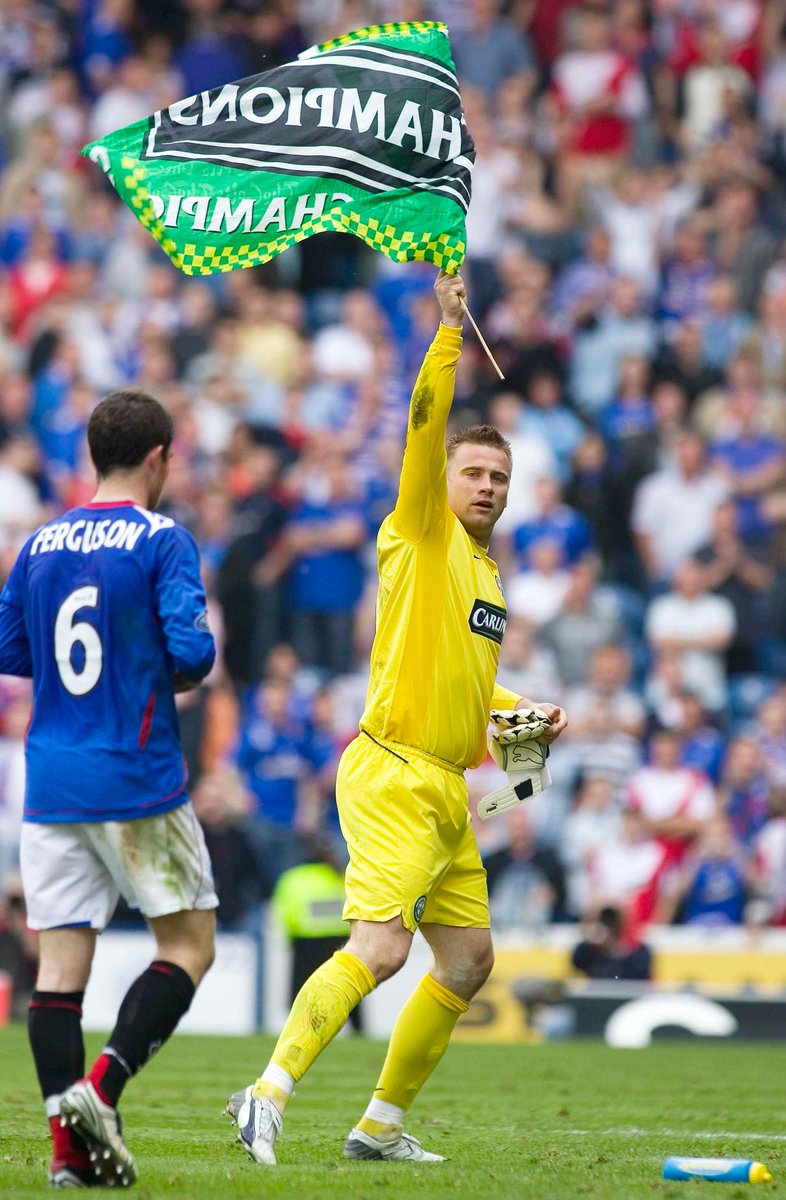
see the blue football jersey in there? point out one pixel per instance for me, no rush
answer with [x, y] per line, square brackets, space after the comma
[103, 606]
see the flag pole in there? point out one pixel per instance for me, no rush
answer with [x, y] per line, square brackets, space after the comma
[481, 338]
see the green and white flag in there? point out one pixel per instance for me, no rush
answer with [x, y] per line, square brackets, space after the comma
[362, 135]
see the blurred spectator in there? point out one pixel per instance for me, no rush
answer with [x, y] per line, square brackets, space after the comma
[242, 880]
[42, 170]
[588, 618]
[20, 507]
[584, 286]
[345, 350]
[606, 953]
[38, 274]
[771, 737]
[750, 461]
[527, 349]
[606, 696]
[711, 886]
[625, 871]
[525, 665]
[526, 882]
[740, 244]
[633, 222]
[770, 862]
[593, 821]
[555, 521]
[130, 96]
[533, 459]
[602, 341]
[687, 276]
[702, 745]
[592, 491]
[211, 54]
[13, 728]
[675, 802]
[722, 410]
[247, 586]
[708, 82]
[275, 37]
[700, 627]
[669, 407]
[673, 510]
[547, 416]
[321, 546]
[597, 92]
[629, 417]
[538, 592]
[725, 327]
[308, 901]
[741, 573]
[277, 763]
[684, 363]
[269, 341]
[744, 790]
[18, 946]
[492, 51]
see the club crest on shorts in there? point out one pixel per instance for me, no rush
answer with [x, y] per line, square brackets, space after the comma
[419, 909]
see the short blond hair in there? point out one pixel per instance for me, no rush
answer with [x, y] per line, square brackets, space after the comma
[478, 435]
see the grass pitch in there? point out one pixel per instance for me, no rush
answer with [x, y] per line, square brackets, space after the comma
[560, 1121]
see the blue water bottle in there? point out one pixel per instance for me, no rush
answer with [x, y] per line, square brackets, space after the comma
[718, 1170]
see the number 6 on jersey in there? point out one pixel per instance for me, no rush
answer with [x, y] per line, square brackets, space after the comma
[69, 633]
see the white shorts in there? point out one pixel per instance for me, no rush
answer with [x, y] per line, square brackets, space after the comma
[74, 874]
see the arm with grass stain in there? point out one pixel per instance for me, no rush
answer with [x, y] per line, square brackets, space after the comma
[423, 494]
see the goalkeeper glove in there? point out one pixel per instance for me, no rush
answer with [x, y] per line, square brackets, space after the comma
[512, 741]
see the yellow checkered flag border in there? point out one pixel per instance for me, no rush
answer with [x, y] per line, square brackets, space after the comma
[133, 176]
[443, 249]
[391, 28]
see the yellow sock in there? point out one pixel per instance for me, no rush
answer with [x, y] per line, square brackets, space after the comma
[318, 1013]
[420, 1037]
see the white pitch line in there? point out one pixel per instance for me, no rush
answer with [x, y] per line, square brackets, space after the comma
[672, 1133]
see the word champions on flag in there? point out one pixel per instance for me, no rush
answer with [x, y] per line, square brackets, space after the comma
[362, 135]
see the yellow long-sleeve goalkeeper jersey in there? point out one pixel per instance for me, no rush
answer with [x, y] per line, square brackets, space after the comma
[440, 608]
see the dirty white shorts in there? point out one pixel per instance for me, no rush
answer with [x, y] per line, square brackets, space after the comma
[74, 874]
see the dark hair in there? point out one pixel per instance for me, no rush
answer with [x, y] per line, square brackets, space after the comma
[124, 428]
[478, 435]
[611, 918]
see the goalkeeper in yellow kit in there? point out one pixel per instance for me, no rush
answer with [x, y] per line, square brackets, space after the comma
[402, 799]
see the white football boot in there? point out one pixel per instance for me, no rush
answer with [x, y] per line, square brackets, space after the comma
[258, 1125]
[98, 1124]
[404, 1148]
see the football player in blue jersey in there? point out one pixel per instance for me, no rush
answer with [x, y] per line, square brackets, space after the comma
[105, 610]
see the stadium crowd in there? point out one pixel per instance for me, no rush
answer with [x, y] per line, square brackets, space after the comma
[627, 261]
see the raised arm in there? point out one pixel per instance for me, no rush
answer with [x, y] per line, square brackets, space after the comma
[423, 490]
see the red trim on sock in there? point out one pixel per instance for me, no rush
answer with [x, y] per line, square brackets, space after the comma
[162, 968]
[67, 1148]
[66, 1004]
[96, 1077]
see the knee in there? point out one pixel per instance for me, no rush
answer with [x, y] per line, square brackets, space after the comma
[466, 977]
[193, 948]
[203, 954]
[206, 956]
[484, 965]
[390, 961]
[384, 951]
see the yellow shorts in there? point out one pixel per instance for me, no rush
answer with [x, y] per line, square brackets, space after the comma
[412, 849]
